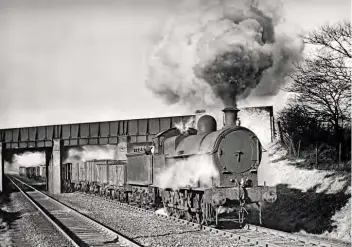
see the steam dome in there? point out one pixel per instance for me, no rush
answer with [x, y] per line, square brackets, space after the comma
[206, 124]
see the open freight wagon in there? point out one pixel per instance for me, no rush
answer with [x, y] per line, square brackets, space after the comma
[94, 176]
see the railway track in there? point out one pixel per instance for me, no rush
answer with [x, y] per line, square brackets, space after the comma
[251, 235]
[78, 229]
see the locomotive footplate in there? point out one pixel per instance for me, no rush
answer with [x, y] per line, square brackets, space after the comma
[250, 194]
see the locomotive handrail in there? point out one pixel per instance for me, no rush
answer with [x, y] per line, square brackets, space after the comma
[180, 156]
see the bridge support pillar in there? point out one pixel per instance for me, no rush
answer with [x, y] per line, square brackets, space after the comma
[55, 167]
[2, 163]
[48, 154]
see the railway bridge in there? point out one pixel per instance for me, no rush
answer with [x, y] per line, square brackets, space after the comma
[53, 139]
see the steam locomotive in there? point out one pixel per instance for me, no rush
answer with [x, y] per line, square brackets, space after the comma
[234, 152]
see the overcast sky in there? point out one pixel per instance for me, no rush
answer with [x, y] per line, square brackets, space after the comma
[78, 61]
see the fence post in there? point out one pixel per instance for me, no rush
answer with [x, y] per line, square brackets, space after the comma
[316, 155]
[280, 131]
[293, 147]
[299, 148]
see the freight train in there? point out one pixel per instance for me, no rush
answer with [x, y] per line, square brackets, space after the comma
[235, 153]
[33, 172]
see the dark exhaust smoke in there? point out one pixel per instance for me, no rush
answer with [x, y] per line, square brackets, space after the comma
[217, 52]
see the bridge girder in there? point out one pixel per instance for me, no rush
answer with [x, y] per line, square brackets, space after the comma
[96, 133]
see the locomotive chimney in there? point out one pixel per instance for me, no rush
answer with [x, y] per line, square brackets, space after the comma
[230, 116]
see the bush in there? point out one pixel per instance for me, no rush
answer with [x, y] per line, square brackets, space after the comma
[305, 136]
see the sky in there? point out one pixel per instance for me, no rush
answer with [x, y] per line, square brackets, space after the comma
[69, 61]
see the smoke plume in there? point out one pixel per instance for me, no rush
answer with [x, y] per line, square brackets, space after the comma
[220, 51]
[188, 172]
[184, 126]
[28, 159]
[85, 153]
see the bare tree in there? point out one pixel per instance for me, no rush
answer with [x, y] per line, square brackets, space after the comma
[335, 38]
[323, 83]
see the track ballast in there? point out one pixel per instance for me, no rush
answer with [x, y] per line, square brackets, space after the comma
[252, 235]
[78, 229]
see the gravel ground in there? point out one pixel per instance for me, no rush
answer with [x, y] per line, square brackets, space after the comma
[28, 227]
[147, 229]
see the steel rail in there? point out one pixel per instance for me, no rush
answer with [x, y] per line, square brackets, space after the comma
[121, 239]
[53, 223]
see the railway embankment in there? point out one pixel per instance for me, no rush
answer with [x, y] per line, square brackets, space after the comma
[310, 201]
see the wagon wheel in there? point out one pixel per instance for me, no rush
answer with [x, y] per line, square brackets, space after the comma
[121, 196]
[145, 198]
[112, 194]
[133, 197]
[125, 197]
[142, 199]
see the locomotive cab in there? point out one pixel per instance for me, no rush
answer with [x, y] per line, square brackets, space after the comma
[169, 138]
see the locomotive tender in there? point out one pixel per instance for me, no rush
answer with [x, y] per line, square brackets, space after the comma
[234, 151]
